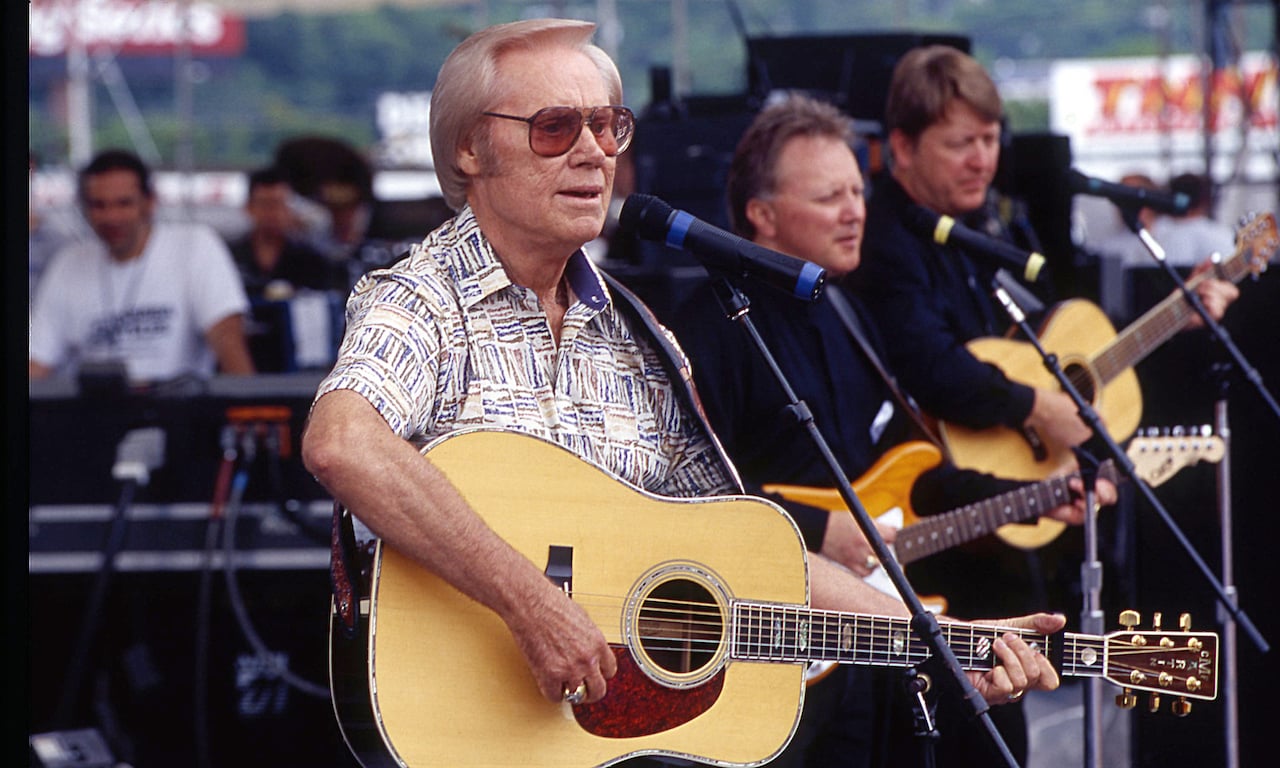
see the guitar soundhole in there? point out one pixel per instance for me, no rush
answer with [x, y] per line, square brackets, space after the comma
[1082, 379]
[680, 627]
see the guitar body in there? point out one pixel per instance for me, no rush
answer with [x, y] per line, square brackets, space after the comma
[446, 685]
[885, 486]
[1075, 331]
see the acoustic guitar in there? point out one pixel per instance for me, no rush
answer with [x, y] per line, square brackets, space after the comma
[1099, 363]
[704, 601]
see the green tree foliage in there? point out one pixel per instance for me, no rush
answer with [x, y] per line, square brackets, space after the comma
[322, 73]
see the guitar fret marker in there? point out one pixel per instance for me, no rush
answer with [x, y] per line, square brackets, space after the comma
[984, 647]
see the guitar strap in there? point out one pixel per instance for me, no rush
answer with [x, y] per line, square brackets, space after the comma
[673, 362]
[344, 572]
[853, 324]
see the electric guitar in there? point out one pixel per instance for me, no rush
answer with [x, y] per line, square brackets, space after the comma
[704, 601]
[1099, 362]
[886, 489]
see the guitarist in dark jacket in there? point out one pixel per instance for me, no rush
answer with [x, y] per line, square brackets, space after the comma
[943, 120]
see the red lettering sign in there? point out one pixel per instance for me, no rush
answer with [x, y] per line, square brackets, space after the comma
[133, 27]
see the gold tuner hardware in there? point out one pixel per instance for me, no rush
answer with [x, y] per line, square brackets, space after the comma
[1181, 708]
[1139, 640]
[1126, 699]
[1195, 644]
[1130, 619]
[1156, 619]
[1184, 622]
[1165, 679]
[1154, 705]
[1137, 677]
[1193, 684]
[1166, 642]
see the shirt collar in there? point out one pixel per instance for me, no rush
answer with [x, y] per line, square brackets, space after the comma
[479, 273]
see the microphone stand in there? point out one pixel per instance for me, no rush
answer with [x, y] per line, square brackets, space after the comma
[1130, 216]
[1091, 618]
[139, 452]
[737, 308]
[1091, 418]
[1231, 708]
[1228, 609]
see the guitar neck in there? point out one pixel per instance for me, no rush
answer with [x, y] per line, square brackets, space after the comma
[774, 633]
[1159, 324]
[936, 533]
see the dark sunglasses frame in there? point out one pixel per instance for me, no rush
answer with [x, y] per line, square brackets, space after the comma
[623, 117]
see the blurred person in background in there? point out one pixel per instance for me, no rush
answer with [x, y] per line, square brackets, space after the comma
[163, 299]
[1191, 237]
[274, 261]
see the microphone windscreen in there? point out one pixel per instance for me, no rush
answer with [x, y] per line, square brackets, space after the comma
[644, 216]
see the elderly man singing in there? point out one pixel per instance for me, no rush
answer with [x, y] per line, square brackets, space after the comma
[498, 320]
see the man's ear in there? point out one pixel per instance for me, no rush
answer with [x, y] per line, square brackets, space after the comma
[901, 147]
[762, 217]
[468, 158]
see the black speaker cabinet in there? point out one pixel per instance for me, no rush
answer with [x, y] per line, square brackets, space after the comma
[852, 71]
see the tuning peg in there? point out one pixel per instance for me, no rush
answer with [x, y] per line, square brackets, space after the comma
[1181, 707]
[1184, 622]
[1206, 430]
[1130, 619]
[1157, 619]
[1153, 705]
[1126, 700]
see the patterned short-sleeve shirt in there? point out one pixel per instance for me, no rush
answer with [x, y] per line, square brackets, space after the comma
[443, 340]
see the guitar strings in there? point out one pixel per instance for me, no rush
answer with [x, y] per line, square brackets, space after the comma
[785, 633]
[700, 623]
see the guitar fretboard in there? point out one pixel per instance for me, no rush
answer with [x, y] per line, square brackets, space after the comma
[1171, 315]
[778, 633]
[939, 532]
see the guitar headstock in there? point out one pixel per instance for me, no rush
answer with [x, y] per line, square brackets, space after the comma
[1158, 454]
[1182, 664]
[1257, 241]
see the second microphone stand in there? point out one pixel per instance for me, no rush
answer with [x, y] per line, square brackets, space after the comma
[1092, 420]
[737, 308]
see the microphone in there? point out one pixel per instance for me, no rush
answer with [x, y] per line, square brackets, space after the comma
[1124, 195]
[944, 229]
[649, 218]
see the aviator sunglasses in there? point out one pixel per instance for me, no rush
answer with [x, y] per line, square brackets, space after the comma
[554, 130]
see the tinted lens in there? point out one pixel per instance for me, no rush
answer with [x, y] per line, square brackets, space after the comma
[553, 131]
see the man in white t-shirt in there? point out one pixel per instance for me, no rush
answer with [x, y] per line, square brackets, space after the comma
[164, 298]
